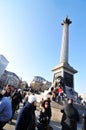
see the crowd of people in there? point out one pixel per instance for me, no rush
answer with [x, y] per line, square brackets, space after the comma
[58, 93]
[10, 99]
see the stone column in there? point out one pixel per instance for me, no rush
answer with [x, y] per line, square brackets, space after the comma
[65, 41]
[64, 69]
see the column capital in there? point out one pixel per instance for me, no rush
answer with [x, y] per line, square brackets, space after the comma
[66, 21]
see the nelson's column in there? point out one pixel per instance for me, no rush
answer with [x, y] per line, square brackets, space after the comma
[63, 69]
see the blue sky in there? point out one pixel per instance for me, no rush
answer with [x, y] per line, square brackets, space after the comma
[31, 35]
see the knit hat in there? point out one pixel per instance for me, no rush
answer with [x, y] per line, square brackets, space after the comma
[32, 98]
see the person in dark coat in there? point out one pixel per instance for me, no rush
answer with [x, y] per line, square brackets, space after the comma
[45, 115]
[26, 117]
[70, 116]
[16, 98]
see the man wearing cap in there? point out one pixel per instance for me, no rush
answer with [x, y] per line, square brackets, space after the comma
[26, 117]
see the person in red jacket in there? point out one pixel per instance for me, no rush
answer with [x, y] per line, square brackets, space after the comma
[60, 92]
